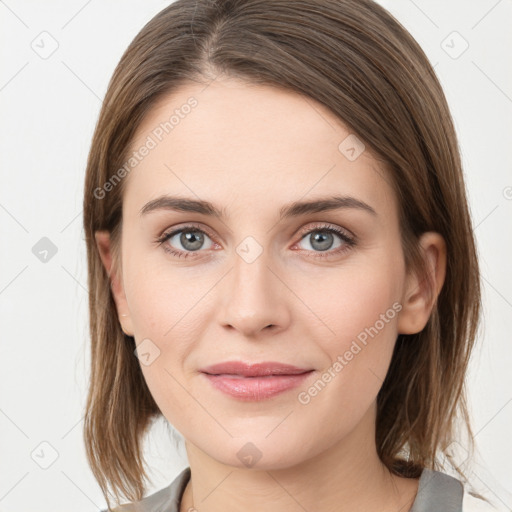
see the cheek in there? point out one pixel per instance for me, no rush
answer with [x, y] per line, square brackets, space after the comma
[164, 313]
[164, 307]
[363, 305]
[157, 298]
[356, 296]
[360, 305]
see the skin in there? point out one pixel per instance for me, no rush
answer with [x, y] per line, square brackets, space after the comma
[251, 149]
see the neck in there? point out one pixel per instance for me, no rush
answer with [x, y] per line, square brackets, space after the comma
[347, 476]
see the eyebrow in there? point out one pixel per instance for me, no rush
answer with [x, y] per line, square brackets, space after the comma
[294, 209]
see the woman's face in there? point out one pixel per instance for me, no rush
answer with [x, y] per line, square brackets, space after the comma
[266, 280]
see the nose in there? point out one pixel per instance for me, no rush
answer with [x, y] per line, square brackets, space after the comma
[254, 298]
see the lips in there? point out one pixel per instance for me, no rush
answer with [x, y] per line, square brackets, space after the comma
[247, 370]
[254, 382]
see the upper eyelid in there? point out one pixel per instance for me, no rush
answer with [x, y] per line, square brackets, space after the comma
[190, 227]
[327, 225]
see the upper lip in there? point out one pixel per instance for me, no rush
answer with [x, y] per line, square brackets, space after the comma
[254, 370]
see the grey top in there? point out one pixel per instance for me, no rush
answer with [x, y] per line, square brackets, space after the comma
[437, 492]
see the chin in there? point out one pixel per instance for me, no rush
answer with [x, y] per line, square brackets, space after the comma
[260, 453]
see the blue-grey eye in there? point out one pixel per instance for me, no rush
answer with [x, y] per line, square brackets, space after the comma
[323, 240]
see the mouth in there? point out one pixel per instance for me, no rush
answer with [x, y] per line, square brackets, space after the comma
[265, 369]
[255, 382]
[235, 376]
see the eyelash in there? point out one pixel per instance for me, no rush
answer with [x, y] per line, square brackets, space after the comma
[349, 242]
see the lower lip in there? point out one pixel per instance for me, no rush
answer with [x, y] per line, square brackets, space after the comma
[256, 388]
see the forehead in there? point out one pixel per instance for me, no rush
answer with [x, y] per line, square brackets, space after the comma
[250, 146]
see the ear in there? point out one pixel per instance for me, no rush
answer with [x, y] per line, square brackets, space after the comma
[116, 283]
[421, 291]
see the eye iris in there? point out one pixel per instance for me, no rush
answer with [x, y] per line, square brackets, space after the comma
[192, 240]
[321, 237]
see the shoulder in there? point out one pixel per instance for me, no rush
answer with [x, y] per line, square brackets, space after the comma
[167, 499]
[440, 491]
[446, 491]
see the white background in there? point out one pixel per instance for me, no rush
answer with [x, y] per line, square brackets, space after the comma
[49, 108]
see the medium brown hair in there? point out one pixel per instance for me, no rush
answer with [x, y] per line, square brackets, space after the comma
[359, 61]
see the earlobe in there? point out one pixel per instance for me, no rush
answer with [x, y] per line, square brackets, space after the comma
[103, 243]
[421, 290]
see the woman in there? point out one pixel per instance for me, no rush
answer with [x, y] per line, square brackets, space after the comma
[281, 263]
